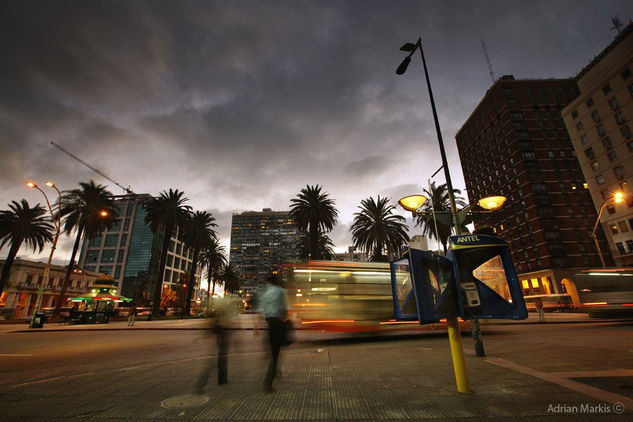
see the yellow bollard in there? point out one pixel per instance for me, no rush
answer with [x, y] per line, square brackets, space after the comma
[457, 353]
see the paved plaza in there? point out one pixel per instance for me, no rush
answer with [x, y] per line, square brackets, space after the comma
[336, 377]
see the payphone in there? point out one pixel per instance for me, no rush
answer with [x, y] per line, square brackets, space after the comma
[476, 280]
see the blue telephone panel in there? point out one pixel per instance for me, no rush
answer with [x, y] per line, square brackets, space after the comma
[434, 286]
[487, 286]
[404, 308]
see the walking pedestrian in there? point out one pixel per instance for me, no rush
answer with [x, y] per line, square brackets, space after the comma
[226, 310]
[272, 306]
[131, 316]
[538, 303]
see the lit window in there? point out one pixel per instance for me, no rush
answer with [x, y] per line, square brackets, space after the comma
[595, 166]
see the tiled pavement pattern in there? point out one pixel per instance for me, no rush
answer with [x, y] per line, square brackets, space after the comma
[361, 381]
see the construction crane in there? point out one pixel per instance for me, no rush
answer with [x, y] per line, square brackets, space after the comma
[127, 190]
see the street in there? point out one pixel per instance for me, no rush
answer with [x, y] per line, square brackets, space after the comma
[132, 374]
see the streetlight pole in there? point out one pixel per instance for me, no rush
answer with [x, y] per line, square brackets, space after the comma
[57, 225]
[616, 199]
[457, 350]
[411, 48]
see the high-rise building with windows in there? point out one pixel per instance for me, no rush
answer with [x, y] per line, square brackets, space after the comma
[129, 251]
[260, 243]
[515, 144]
[600, 123]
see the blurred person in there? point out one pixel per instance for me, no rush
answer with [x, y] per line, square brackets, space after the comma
[538, 303]
[272, 306]
[226, 310]
[131, 316]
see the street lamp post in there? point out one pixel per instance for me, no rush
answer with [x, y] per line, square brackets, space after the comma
[457, 350]
[57, 224]
[615, 199]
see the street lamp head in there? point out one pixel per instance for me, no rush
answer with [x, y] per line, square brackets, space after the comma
[618, 197]
[408, 47]
[31, 185]
[492, 203]
[50, 184]
[104, 213]
[403, 66]
[412, 202]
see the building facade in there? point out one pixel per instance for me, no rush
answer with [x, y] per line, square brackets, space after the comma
[515, 144]
[351, 255]
[600, 123]
[260, 243]
[20, 295]
[130, 252]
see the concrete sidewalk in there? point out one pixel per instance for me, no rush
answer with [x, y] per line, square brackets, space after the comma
[357, 380]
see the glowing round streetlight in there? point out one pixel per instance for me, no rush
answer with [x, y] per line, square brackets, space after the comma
[56, 219]
[412, 202]
[492, 203]
[618, 197]
[103, 213]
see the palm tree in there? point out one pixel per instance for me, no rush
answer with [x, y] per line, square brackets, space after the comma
[197, 235]
[313, 212]
[230, 274]
[324, 242]
[376, 230]
[439, 203]
[22, 224]
[214, 258]
[168, 211]
[82, 210]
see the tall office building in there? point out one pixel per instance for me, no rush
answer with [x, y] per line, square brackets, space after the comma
[260, 242]
[515, 144]
[130, 252]
[600, 124]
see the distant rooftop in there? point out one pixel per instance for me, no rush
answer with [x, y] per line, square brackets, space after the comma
[268, 211]
[618, 38]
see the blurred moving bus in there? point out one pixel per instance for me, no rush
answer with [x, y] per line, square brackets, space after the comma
[341, 296]
[606, 292]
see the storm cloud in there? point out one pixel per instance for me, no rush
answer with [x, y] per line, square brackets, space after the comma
[242, 103]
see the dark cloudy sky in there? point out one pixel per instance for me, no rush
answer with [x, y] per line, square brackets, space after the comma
[242, 103]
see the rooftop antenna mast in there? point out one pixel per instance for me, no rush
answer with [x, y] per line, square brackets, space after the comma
[617, 24]
[483, 45]
[127, 190]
